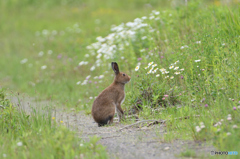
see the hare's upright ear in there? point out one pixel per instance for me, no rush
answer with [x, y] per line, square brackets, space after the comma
[115, 67]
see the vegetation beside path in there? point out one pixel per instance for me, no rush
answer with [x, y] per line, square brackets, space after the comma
[36, 134]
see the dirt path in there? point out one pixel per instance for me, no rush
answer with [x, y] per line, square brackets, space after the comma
[130, 143]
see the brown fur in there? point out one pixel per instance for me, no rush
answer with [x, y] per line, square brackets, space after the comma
[103, 108]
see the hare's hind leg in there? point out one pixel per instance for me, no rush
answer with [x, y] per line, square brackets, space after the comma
[109, 118]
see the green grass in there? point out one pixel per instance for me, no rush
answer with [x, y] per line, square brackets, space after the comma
[38, 135]
[188, 154]
[207, 90]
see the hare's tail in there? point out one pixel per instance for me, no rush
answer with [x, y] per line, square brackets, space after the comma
[108, 120]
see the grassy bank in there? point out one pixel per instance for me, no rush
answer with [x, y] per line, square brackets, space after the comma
[38, 135]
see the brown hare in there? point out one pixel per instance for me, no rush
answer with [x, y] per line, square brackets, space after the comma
[110, 99]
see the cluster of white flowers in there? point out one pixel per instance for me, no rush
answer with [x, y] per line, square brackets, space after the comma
[154, 70]
[83, 63]
[120, 36]
[199, 128]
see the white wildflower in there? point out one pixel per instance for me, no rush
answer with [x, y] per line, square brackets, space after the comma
[202, 126]
[150, 63]
[45, 32]
[99, 55]
[43, 67]
[92, 68]
[20, 143]
[162, 70]
[144, 37]
[198, 42]
[154, 65]
[176, 73]
[198, 129]
[235, 126]
[171, 67]
[151, 17]
[176, 68]
[50, 52]
[150, 71]
[79, 82]
[137, 68]
[197, 60]
[155, 69]
[54, 32]
[228, 133]
[218, 123]
[171, 77]
[229, 118]
[23, 61]
[101, 76]
[40, 53]
[84, 82]
[157, 75]
[156, 12]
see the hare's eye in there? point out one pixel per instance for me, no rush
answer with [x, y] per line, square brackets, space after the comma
[123, 74]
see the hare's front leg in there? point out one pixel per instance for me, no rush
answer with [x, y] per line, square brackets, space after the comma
[119, 111]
